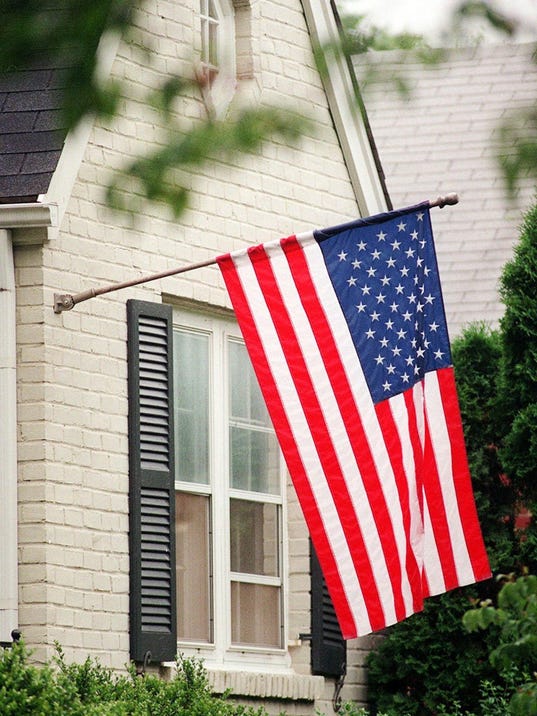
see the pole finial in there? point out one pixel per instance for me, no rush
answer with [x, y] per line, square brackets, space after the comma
[446, 200]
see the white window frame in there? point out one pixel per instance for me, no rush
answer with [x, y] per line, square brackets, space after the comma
[222, 653]
[219, 88]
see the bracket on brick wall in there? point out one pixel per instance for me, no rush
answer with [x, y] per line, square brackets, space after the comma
[141, 669]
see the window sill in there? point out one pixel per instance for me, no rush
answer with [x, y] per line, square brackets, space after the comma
[259, 684]
[292, 687]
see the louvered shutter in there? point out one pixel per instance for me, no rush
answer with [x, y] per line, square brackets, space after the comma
[153, 632]
[328, 648]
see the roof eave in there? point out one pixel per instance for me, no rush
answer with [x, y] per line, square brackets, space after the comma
[75, 145]
[349, 121]
[30, 222]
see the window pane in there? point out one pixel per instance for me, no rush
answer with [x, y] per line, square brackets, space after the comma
[254, 453]
[191, 402]
[247, 402]
[255, 615]
[213, 43]
[193, 573]
[213, 11]
[254, 460]
[254, 532]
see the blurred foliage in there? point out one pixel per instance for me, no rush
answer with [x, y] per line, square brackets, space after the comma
[67, 34]
[360, 37]
[209, 140]
[483, 10]
[91, 689]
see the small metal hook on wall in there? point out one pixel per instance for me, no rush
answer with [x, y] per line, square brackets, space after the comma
[340, 681]
[142, 668]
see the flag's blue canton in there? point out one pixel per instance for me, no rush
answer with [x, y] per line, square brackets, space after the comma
[386, 279]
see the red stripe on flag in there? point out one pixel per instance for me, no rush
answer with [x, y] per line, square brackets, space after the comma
[462, 479]
[321, 435]
[417, 447]
[288, 445]
[350, 415]
[437, 510]
[395, 451]
[417, 450]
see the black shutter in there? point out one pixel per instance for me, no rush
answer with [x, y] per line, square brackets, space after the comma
[153, 631]
[328, 648]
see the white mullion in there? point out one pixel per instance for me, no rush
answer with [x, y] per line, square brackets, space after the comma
[197, 488]
[204, 32]
[251, 425]
[262, 579]
[251, 496]
[284, 556]
[221, 506]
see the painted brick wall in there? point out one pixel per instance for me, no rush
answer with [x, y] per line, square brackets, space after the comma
[445, 136]
[72, 367]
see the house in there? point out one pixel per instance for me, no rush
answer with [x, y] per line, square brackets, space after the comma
[97, 490]
[445, 136]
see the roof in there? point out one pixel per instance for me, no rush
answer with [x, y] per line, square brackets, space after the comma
[31, 131]
[444, 139]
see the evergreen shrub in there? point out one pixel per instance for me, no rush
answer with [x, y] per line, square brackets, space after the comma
[428, 663]
[90, 689]
[427, 666]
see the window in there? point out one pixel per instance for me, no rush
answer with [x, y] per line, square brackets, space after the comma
[229, 507]
[223, 502]
[217, 27]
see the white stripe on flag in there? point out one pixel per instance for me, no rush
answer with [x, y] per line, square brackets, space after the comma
[442, 450]
[400, 416]
[431, 559]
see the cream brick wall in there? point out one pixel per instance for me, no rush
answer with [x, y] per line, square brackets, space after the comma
[73, 531]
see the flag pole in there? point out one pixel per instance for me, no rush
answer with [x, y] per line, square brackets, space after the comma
[66, 301]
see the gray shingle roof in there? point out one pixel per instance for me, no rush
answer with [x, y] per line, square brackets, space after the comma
[444, 138]
[31, 131]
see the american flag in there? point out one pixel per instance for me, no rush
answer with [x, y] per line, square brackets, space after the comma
[347, 334]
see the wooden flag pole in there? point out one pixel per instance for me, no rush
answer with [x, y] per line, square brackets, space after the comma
[66, 301]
